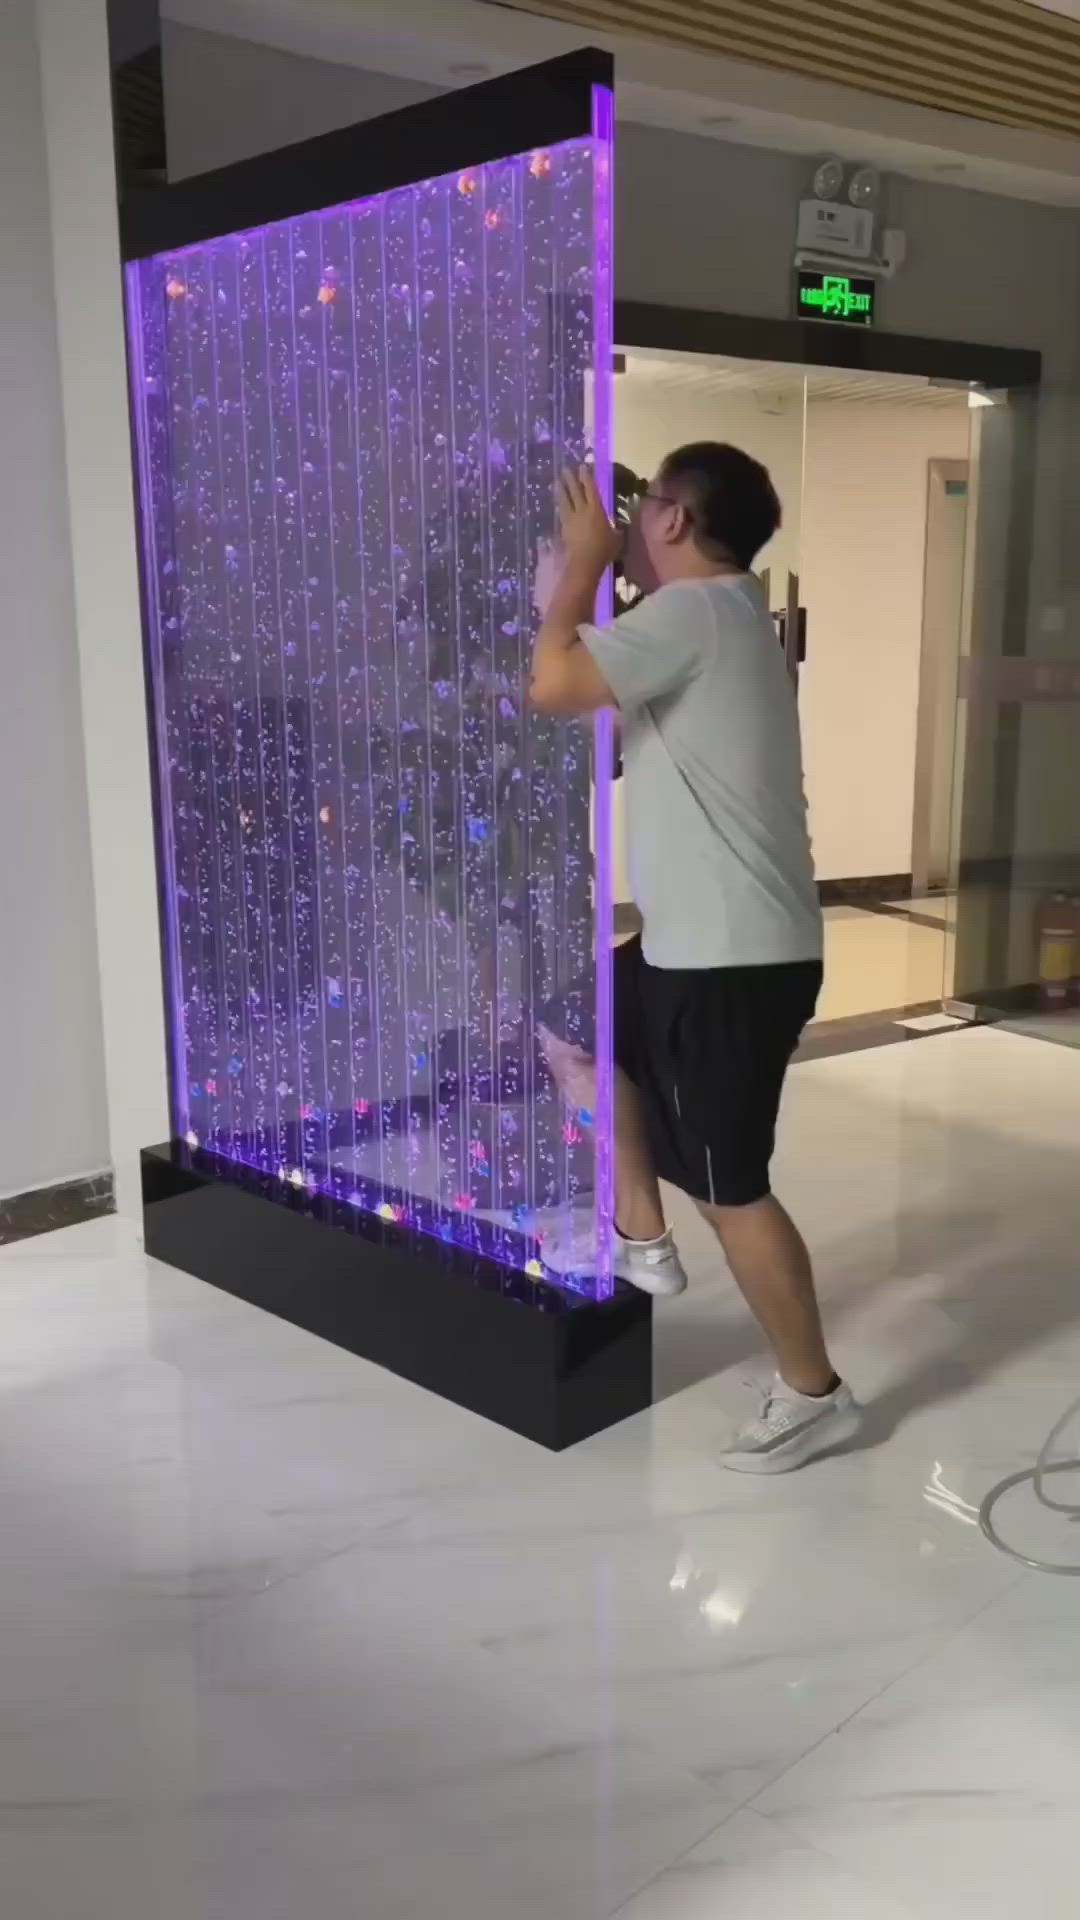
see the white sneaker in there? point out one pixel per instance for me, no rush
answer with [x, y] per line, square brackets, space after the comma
[653, 1266]
[793, 1428]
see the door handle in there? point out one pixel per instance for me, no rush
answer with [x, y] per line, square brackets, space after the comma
[792, 626]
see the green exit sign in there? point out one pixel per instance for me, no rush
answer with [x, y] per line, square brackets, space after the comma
[836, 296]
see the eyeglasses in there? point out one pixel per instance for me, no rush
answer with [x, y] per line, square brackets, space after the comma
[660, 500]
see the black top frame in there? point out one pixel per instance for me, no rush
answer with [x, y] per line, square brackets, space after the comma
[538, 106]
[812, 343]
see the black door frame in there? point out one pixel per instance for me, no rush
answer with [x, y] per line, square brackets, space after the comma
[538, 106]
[817, 343]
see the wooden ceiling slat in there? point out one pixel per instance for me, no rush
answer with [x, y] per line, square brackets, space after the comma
[1012, 23]
[997, 60]
[1005, 22]
[800, 32]
[896, 63]
[1002, 108]
[978, 22]
[878, 24]
[1008, 24]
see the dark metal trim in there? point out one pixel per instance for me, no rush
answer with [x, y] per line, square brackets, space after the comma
[543, 1362]
[538, 106]
[813, 343]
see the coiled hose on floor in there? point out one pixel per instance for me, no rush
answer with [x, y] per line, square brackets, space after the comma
[1038, 1475]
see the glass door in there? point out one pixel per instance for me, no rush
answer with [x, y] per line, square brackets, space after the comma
[882, 567]
[782, 405]
[1016, 837]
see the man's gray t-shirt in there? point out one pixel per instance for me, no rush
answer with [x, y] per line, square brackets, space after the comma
[720, 860]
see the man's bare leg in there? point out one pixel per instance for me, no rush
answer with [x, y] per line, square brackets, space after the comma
[769, 1259]
[638, 1209]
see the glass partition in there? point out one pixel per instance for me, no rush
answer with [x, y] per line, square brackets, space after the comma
[1016, 826]
[377, 867]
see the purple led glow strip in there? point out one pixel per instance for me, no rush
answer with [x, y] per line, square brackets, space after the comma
[603, 749]
[152, 604]
[375, 862]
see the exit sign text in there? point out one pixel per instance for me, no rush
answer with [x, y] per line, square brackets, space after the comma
[836, 296]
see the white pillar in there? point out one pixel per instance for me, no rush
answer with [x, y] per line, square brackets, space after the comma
[75, 76]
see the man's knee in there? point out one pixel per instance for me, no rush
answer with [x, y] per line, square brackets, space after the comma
[725, 1214]
[572, 1069]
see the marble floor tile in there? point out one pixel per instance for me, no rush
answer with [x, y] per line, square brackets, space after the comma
[283, 1635]
[752, 1865]
[959, 1788]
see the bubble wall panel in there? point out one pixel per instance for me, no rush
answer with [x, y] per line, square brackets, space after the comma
[378, 873]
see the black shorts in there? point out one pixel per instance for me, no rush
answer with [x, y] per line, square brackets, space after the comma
[708, 1050]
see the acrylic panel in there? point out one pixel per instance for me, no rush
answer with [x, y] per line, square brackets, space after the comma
[383, 875]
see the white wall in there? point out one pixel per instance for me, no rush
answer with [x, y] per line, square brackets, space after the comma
[855, 533]
[226, 99]
[650, 420]
[863, 566]
[76, 89]
[52, 1084]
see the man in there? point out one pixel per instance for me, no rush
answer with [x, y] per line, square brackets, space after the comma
[710, 1004]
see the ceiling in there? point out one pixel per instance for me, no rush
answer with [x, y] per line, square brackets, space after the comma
[1004, 61]
[783, 381]
[448, 43]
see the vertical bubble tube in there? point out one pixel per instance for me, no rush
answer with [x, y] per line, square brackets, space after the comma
[357, 368]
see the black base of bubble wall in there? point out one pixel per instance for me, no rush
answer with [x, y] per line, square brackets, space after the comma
[530, 1356]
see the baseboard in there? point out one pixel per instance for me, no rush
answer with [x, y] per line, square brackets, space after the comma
[998, 1003]
[862, 888]
[45, 1209]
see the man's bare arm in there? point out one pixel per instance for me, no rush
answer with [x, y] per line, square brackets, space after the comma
[565, 677]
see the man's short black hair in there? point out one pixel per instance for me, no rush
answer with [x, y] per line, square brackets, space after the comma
[733, 503]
